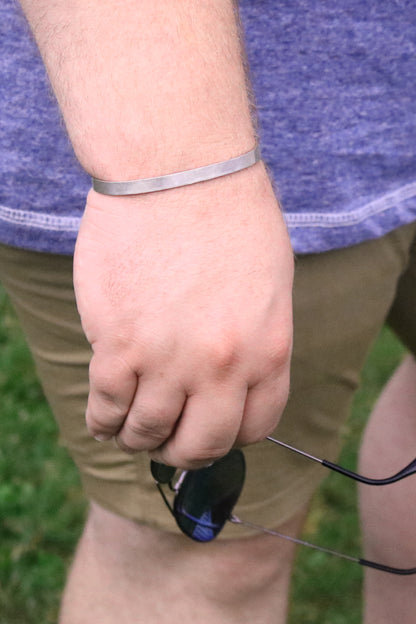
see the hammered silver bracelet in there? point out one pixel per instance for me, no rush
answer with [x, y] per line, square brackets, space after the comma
[181, 178]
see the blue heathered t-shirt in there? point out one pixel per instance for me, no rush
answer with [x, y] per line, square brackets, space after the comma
[335, 84]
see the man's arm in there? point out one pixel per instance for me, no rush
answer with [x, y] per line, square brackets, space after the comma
[185, 295]
[146, 88]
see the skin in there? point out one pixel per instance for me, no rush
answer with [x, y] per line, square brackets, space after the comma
[191, 351]
[117, 576]
[184, 295]
[388, 512]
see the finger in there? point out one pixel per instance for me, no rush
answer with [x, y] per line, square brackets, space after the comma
[207, 429]
[112, 388]
[264, 406]
[152, 416]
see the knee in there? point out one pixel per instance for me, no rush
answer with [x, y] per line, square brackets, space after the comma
[247, 569]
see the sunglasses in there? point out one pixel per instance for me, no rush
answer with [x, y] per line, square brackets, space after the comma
[204, 499]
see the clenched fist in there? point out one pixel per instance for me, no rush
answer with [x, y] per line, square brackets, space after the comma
[185, 297]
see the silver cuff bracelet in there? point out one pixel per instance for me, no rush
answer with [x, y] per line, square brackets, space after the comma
[181, 178]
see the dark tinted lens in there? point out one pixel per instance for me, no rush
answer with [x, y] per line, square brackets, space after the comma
[206, 497]
[162, 473]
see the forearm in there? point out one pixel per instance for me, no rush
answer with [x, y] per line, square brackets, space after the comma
[146, 88]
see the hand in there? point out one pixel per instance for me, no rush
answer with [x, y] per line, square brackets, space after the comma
[185, 297]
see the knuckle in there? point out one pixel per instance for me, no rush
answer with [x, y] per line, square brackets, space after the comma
[97, 425]
[201, 457]
[125, 447]
[152, 427]
[103, 417]
[261, 432]
[279, 351]
[107, 378]
[107, 416]
[222, 355]
[257, 429]
[102, 379]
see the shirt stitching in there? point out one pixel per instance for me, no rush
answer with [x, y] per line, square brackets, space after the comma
[345, 219]
[39, 220]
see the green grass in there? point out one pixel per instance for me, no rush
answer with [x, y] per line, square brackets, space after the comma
[42, 508]
[327, 590]
[41, 505]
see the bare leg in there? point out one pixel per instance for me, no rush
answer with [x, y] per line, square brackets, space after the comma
[124, 573]
[389, 513]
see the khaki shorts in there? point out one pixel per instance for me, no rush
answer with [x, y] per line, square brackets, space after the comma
[341, 300]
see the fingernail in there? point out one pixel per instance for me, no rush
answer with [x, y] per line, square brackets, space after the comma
[103, 437]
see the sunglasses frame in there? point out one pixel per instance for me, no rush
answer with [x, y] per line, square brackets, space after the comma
[163, 475]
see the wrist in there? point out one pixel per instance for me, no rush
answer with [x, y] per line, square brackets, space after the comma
[179, 178]
[211, 196]
[142, 156]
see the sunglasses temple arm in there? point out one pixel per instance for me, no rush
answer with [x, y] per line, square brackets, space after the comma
[295, 450]
[364, 562]
[407, 471]
[165, 500]
[385, 568]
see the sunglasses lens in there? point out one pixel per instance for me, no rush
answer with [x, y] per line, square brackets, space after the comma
[207, 496]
